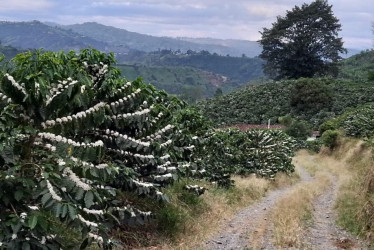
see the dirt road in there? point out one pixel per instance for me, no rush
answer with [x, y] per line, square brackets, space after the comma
[252, 228]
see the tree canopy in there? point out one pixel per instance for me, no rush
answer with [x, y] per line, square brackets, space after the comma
[304, 43]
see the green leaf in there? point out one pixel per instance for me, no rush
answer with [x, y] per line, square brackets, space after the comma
[46, 198]
[72, 212]
[26, 246]
[64, 210]
[57, 209]
[18, 195]
[79, 194]
[33, 220]
[84, 244]
[7, 155]
[88, 199]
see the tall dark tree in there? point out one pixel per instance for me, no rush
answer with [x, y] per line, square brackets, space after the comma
[304, 43]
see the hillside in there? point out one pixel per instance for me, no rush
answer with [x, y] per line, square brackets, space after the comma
[234, 46]
[358, 66]
[239, 70]
[8, 51]
[30, 35]
[257, 104]
[188, 83]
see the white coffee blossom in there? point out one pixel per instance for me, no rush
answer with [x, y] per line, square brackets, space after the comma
[34, 207]
[52, 192]
[74, 178]
[96, 237]
[88, 223]
[15, 84]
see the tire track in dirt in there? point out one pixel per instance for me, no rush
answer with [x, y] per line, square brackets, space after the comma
[235, 233]
[323, 233]
[262, 237]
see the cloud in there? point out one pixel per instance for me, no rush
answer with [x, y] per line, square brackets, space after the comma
[239, 19]
[25, 5]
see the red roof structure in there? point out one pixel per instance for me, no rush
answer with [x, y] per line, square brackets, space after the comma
[244, 127]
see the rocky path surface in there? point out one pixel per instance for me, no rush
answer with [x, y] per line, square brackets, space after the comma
[323, 233]
[235, 233]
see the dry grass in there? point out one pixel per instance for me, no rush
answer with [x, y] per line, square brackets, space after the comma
[221, 205]
[353, 165]
[355, 203]
[292, 212]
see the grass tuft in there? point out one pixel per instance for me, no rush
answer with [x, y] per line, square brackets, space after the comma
[293, 212]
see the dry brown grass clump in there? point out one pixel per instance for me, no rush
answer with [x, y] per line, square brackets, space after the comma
[355, 204]
[294, 211]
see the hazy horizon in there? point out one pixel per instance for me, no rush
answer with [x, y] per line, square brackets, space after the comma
[217, 19]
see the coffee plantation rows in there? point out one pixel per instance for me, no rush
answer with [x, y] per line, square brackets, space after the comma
[74, 136]
[313, 100]
[357, 122]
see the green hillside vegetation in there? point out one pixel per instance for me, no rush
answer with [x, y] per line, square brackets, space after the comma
[8, 51]
[189, 83]
[257, 104]
[239, 70]
[315, 100]
[358, 66]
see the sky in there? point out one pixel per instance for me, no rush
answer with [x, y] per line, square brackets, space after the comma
[225, 19]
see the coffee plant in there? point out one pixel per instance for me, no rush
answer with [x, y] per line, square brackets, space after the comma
[73, 134]
[359, 122]
[224, 152]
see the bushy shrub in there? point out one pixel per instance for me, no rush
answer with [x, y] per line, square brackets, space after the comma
[359, 122]
[313, 146]
[330, 138]
[264, 152]
[328, 125]
[299, 129]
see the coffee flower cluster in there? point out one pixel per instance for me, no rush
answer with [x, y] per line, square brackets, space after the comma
[61, 86]
[163, 177]
[125, 137]
[98, 70]
[87, 222]
[88, 164]
[158, 134]
[123, 100]
[127, 153]
[5, 98]
[79, 115]
[136, 113]
[164, 168]
[59, 138]
[52, 192]
[15, 84]
[74, 178]
[123, 88]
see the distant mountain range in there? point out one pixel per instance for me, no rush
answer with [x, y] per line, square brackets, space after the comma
[31, 35]
[52, 36]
